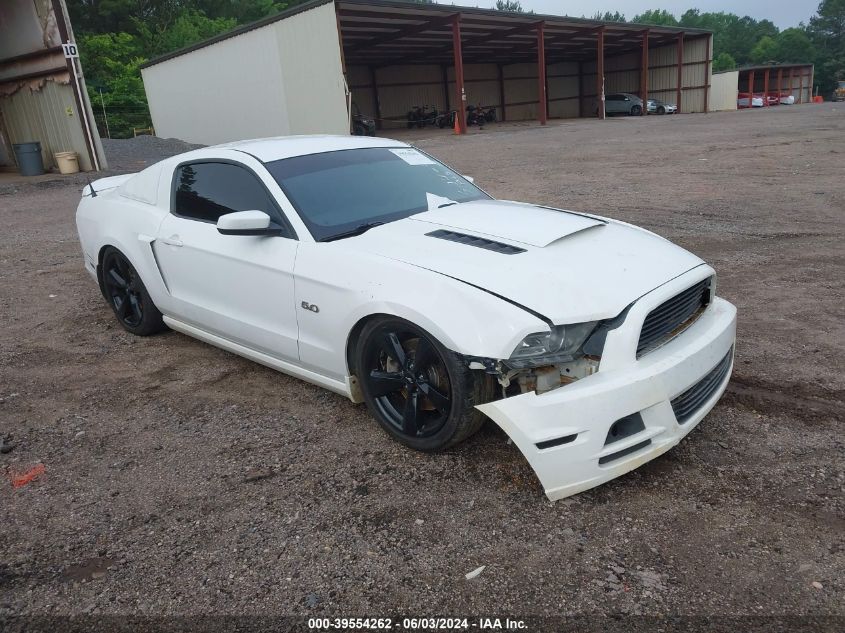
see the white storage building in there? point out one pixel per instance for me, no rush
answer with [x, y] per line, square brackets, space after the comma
[298, 72]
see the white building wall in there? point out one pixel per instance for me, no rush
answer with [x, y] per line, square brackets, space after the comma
[283, 78]
[312, 72]
[723, 91]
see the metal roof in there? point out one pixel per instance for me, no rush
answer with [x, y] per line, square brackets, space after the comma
[744, 69]
[389, 32]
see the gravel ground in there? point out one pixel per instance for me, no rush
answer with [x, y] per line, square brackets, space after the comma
[182, 480]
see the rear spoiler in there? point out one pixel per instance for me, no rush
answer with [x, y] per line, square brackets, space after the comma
[93, 189]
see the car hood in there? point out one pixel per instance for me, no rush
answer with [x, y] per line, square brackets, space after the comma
[571, 267]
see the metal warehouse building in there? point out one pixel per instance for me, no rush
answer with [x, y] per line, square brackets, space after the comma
[42, 92]
[784, 79]
[298, 72]
[779, 80]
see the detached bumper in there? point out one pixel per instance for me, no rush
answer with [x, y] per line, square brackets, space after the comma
[600, 427]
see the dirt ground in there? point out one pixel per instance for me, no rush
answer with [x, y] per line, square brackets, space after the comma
[181, 479]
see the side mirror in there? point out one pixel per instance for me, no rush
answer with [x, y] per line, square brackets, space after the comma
[470, 178]
[247, 223]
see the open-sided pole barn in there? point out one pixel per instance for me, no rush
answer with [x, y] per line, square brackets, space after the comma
[389, 56]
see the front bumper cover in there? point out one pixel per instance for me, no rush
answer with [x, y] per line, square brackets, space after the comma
[624, 385]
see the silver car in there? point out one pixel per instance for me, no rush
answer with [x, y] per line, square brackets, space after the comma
[623, 103]
[656, 106]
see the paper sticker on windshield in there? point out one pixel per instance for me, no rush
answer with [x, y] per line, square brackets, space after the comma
[412, 156]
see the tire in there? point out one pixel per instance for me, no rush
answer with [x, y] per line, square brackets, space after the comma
[127, 295]
[661, 110]
[358, 130]
[419, 392]
[636, 110]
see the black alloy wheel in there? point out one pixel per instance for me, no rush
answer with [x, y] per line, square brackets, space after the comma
[636, 110]
[128, 296]
[419, 391]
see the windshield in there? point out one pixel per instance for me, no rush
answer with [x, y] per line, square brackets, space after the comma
[338, 192]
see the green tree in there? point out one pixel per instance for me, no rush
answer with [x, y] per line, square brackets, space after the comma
[513, 6]
[794, 45]
[609, 16]
[111, 64]
[765, 50]
[827, 32]
[656, 17]
[190, 27]
[723, 61]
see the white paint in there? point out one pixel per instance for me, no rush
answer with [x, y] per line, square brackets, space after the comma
[283, 78]
[724, 88]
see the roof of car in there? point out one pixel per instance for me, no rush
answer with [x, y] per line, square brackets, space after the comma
[270, 149]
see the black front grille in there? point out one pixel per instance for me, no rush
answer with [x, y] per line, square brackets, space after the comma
[478, 242]
[673, 316]
[689, 402]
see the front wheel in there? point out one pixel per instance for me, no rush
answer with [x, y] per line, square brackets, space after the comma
[128, 295]
[636, 110]
[661, 110]
[421, 393]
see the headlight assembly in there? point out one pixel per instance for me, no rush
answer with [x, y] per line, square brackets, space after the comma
[560, 344]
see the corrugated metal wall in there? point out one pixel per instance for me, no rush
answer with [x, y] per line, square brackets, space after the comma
[800, 87]
[401, 87]
[622, 74]
[47, 114]
[294, 84]
[723, 90]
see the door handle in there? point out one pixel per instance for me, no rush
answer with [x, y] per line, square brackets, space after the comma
[173, 240]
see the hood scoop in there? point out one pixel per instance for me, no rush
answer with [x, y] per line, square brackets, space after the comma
[508, 222]
[478, 242]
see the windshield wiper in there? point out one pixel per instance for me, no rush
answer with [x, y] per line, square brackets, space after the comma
[358, 230]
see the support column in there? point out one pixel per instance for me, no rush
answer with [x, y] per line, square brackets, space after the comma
[812, 77]
[374, 94]
[460, 92]
[501, 78]
[580, 89]
[680, 55]
[766, 88]
[644, 73]
[708, 76]
[791, 81]
[750, 88]
[801, 86]
[600, 72]
[780, 82]
[542, 95]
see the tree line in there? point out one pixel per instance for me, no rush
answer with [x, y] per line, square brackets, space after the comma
[116, 36]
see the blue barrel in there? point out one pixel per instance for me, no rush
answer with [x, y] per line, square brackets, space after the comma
[29, 160]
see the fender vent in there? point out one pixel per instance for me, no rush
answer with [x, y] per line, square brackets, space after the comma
[474, 240]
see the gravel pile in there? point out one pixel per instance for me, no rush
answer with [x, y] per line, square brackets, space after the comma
[134, 154]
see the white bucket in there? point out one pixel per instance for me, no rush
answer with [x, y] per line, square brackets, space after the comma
[68, 162]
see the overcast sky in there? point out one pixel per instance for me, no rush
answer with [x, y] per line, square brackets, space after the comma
[784, 13]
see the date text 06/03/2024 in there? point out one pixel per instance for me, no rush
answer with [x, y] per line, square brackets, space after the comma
[427, 624]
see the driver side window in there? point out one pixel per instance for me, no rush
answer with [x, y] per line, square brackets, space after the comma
[205, 191]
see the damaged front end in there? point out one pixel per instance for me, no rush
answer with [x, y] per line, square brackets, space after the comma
[585, 407]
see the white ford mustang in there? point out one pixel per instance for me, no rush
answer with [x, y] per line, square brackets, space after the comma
[367, 267]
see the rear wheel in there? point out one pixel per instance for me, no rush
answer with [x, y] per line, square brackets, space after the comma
[420, 392]
[128, 295]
